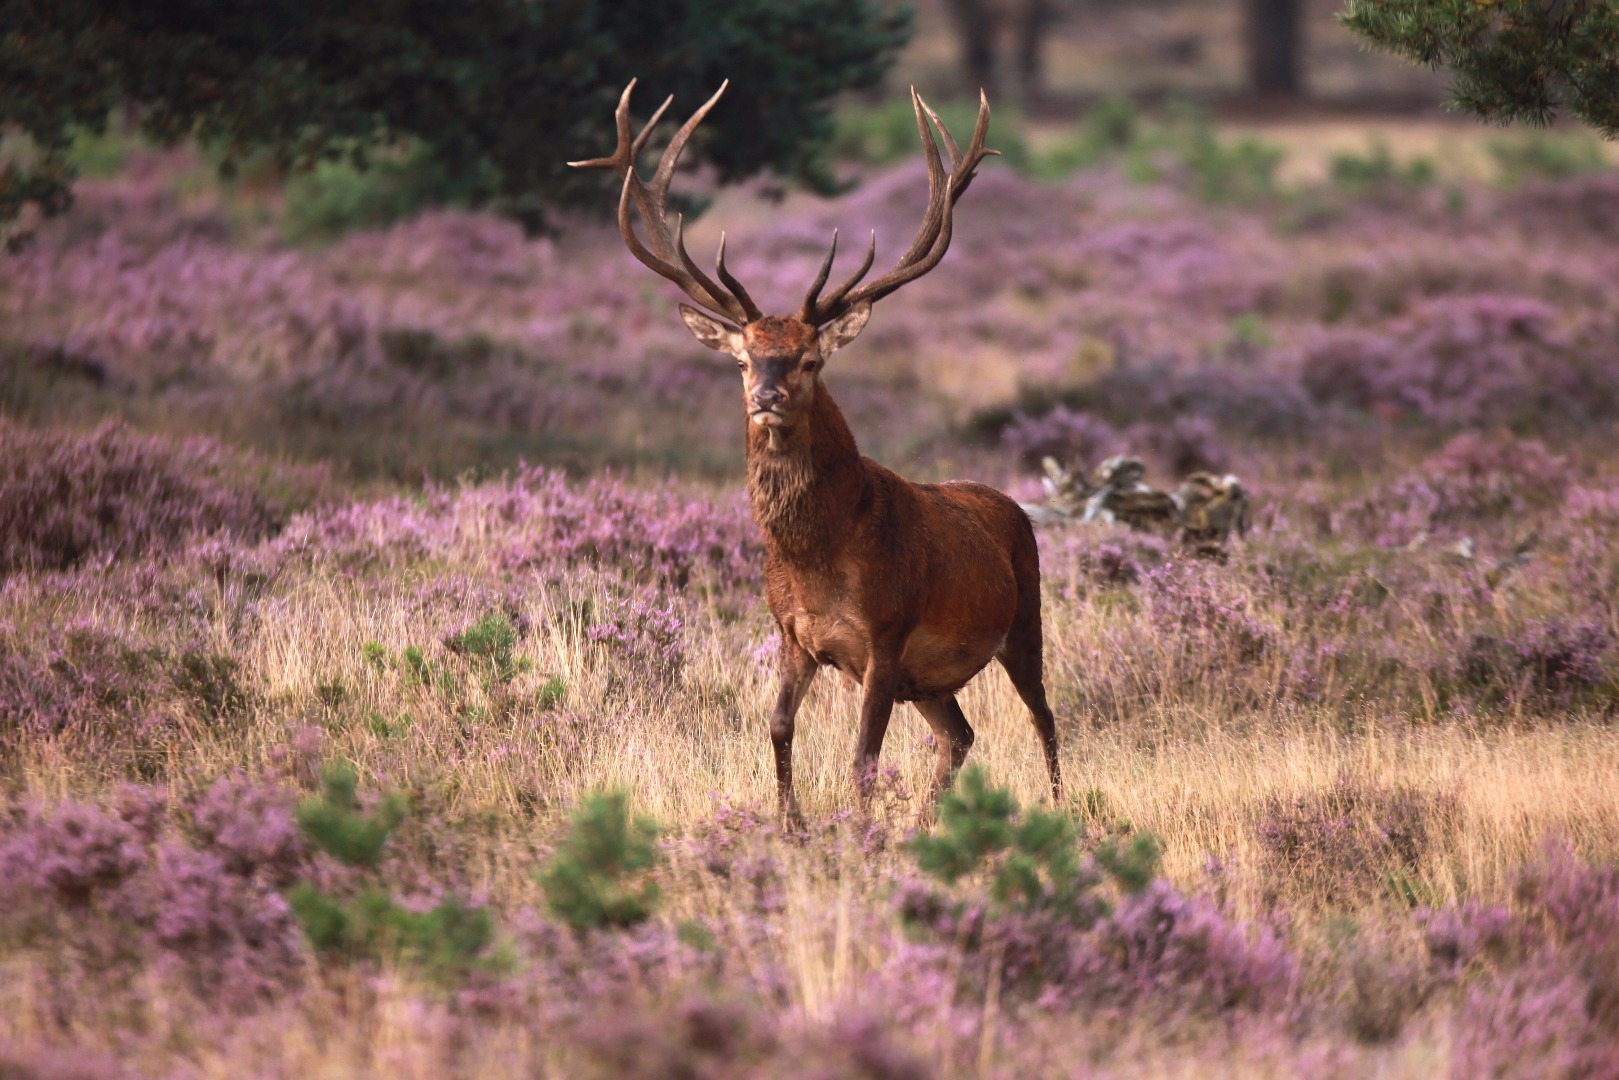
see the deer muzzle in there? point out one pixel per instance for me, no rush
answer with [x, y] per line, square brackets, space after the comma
[765, 407]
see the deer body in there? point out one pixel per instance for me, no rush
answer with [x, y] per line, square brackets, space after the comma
[907, 589]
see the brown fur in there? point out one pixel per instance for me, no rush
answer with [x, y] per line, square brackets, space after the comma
[908, 589]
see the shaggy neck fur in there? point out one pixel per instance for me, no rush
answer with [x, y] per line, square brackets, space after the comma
[804, 495]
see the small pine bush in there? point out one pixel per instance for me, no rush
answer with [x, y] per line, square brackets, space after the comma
[333, 822]
[597, 877]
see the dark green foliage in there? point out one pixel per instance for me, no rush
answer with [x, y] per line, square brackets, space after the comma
[1030, 861]
[598, 875]
[333, 822]
[445, 942]
[1513, 60]
[1378, 171]
[488, 643]
[551, 693]
[497, 94]
[1135, 864]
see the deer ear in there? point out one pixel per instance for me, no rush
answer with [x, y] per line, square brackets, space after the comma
[844, 329]
[711, 332]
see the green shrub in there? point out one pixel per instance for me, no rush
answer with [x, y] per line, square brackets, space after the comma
[1184, 140]
[332, 820]
[488, 644]
[551, 694]
[445, 943]
[597, 877]
[1378, 171]
[336, 197]
[1549, 157]
[1029, 861]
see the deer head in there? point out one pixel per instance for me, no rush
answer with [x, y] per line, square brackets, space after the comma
[780, 356]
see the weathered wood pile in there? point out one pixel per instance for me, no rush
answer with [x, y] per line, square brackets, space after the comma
[1202, 512]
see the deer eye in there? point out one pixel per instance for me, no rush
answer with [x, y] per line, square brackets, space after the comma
[812, 366]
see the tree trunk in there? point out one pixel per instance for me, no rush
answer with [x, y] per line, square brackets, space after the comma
[1275, 32]
[976, 25]
[1034, 16]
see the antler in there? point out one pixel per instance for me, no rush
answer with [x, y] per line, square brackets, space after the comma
[932, 239]
[668, 255]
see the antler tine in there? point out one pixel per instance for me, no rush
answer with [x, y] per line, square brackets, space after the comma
[677, 145]
[938, 184]
[833, 301]
[667, 255]
[624, 154]
[733, 284]
[975, 147]
[933, 238]
[812, 298]
[701, 278]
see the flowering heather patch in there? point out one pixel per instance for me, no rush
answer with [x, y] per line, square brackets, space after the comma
[203, 913]
[1350, 843]
[1471, 360]
[114, 494]
[537, 521]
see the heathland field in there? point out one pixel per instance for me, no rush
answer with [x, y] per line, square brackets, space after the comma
[384, 667]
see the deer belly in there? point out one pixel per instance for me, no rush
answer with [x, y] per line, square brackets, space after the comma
[937, 662]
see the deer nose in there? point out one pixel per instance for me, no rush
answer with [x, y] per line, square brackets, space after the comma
[767, 397]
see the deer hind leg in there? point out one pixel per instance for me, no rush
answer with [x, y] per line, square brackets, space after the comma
[1022, 659]
[798, 669]
[953, 734]
[876, 706]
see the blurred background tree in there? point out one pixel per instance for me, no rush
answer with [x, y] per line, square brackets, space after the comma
[1512, 60]
[978, 25]
[1274, 30]
[1273, 33]
[496, 93]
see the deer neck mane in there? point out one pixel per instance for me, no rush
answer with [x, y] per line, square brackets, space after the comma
[805, 494]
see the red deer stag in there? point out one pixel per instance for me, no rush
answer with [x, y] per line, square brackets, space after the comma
[909, 589]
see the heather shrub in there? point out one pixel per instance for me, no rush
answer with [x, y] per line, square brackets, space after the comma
[1468, 361]
[641, 639]
[598, 876]
[114, 494]
[1144, 398]
[98, 689]
[133, 890]
[1474, 482]
[212, 683]
[1350, 844]
[1210, 620]
[1549, 663]
[1078, 439]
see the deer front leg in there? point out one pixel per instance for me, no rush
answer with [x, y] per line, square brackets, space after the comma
[798, 669]
[876, 706]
